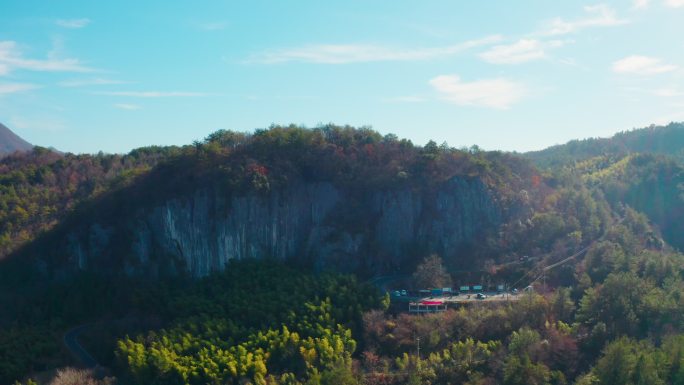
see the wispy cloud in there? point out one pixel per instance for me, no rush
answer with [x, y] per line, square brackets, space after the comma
[674, 3]
[522, 51]
[126, 106]
[152, 94]
[89, 82]
[73, 23]
[668, 92]
[11, 88]
[496, 93]
[600, 15]
[358, 53]
[11, 59]
[642, 65]
[640, 4]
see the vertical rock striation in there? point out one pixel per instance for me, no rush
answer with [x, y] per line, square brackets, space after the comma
[199, 233]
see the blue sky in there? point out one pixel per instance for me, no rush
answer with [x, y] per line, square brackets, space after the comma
[85, 76]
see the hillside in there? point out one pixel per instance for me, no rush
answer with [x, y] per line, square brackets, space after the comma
[242, 259]
[661, 140]
[11, 142]
[642, 168]
[333, 198]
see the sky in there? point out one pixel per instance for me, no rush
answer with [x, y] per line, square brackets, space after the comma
[89, 76]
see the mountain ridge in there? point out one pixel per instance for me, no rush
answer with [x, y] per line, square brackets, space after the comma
[11, 142]
[661, 140]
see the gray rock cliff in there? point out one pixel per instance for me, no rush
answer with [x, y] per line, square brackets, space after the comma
[200, 232]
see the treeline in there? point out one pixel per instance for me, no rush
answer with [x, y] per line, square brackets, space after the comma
[665, 140]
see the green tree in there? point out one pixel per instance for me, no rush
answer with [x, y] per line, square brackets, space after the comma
[617, 363]
[645, 371]
[520, 370]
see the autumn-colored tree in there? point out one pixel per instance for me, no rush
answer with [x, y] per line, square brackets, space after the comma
[431, 273]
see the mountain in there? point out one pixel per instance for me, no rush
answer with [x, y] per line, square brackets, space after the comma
[228, 261]
[662, 140]
[641, 168]
[334, 198]
[11, 142]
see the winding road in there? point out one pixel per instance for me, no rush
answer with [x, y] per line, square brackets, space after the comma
[71, 342]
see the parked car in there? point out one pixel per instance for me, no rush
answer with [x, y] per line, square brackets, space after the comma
[481, 296]
[396, 293]
[404, 293]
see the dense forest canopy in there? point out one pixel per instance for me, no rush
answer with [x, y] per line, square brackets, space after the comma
[663, 140]
[599, 221]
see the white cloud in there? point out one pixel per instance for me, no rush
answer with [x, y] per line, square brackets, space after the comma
[11, 88]
[523, 50]
[640, 4]
[674, 3]
[73, 23]
[89, 82]
[358, 53]
[668, 92]
[11, 58]
[600, 15]
[642, 65]
[125, 106]
[152, 94]
[496, 93]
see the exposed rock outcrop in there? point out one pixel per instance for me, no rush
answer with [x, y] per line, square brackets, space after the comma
[199, 233]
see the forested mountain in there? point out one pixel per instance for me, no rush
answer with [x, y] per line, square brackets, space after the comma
[660, 140]
[242, 259]
[11, 142]
[333, 197]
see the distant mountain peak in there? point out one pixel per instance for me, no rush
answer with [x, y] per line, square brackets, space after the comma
[11, 142]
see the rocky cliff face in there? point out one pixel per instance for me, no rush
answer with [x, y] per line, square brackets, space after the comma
[201, 232]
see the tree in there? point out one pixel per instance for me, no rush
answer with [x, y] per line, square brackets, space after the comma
[431, 273]
[615, 366]
[522, 371]
[621, 303]
[645, 372]
[562, 304]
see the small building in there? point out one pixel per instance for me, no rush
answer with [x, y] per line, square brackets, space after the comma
[436, 292]
[427, 307]
[477, 288]
[464, 289]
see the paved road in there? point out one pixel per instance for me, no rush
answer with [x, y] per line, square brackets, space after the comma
[71, 342]
[383, 280]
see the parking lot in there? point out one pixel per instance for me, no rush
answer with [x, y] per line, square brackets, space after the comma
[462, 298]
[488, 297]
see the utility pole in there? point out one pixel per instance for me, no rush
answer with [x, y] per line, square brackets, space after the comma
[507, 291]
[418, 346]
